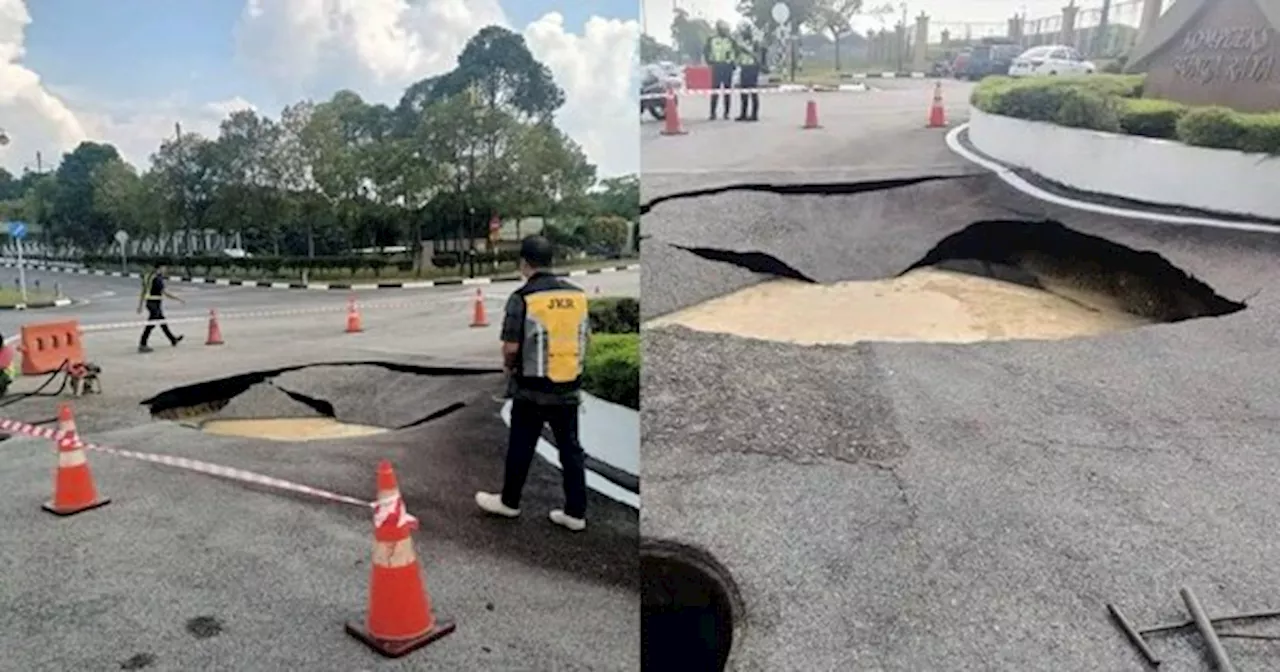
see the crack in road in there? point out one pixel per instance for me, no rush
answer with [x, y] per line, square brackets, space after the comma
[804, 188]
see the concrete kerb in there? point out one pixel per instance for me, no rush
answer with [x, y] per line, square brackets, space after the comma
[325, 286]
[56, 303]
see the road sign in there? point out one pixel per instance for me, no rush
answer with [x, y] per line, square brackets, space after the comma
[122, 236]
[781, 12]
[17, 230]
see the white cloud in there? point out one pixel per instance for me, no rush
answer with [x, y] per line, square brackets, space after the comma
[34, 119]
[378, 47]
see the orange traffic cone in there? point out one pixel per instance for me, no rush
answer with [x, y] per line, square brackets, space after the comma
[66, 422]
[400, 619]
[73, 489]
[215, 331]
[354, 325]
[478, 318]
[672, 116]
[811, 115]
[937, 113]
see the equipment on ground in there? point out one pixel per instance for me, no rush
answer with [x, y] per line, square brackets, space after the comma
[1203, 623]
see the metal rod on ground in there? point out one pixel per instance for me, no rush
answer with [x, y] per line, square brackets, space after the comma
[1206, 631]
[1248, 635]
[1132, 634]
[1169, 627]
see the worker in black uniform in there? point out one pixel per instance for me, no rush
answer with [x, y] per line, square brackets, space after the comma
[721, 55]
[154, 292]
[749, 55]
[544, 345]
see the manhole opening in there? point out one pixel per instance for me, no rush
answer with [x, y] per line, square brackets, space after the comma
[993, 280]
[272, 405]
[689, 609]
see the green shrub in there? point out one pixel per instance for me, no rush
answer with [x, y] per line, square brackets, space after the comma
[613, 369]
[1151, 118]
[1083, 108]
[1214, 127]
[1114, 103]
[615, 316]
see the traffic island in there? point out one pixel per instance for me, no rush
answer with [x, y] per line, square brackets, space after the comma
[995, 280]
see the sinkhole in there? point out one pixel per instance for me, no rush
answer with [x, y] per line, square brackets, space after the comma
[689, 608]
[321, 401]
[994, 280]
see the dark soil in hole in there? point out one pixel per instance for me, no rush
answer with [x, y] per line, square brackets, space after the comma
[319, 401]
[1074, 264]
[689, 605]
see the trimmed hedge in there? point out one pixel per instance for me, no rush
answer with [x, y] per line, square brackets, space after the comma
[613, 357]
[1114, 103]
[615, 316]
[613, 369]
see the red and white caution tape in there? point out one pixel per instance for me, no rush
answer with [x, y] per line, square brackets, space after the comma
[785, 88]
[197, 466]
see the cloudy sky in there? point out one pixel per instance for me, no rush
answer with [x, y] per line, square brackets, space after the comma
[124, 71]
[981, 14]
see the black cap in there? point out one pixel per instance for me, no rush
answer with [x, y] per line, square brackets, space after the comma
[537, 251]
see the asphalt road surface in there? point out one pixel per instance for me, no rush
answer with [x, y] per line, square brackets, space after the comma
[185, 571]
[960, 507]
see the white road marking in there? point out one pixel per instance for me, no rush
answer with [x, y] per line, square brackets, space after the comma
[1013, 180]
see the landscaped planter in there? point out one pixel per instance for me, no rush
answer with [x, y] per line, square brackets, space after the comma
[1133, 167]
[609, 433]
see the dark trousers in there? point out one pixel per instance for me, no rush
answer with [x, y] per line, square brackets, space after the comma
[750, 79]
[721, 78]
[156, 313]
[527, 419]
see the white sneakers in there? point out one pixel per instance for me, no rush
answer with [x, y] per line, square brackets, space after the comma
[492, 503]
[567, 522]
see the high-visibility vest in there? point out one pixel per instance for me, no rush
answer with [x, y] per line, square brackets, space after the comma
[721, 49]
[553, 346]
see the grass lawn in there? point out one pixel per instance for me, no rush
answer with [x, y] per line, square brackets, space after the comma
[10, 297]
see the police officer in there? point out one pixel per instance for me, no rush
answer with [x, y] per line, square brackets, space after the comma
[721, 55]
[750, 55]
[544, 345]
[154, 292]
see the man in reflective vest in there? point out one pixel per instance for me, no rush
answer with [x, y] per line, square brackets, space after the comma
[721, 55]
[544, 346]
[750, 55]
[154, 292]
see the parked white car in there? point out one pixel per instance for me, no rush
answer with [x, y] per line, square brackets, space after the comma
[1052, 59]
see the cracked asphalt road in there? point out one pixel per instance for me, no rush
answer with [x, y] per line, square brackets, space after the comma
[112, 588]
[916, 507]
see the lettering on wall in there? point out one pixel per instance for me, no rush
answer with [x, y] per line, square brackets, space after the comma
[1239, 54]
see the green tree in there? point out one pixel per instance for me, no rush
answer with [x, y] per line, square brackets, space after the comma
[834, 18]
[118, 196]
[690, 36]
[73, 218]
[498, 64]
[653, 51]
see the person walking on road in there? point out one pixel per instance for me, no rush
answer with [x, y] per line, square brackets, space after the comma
[154, 292]
[544, 346]
[720, 53]
[749, 55]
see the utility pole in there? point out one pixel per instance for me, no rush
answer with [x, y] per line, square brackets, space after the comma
[182, 184]
[902, 38]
